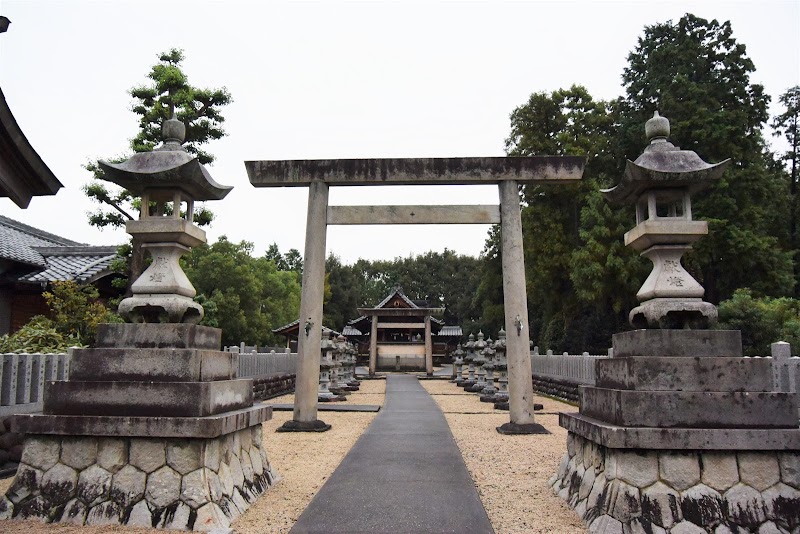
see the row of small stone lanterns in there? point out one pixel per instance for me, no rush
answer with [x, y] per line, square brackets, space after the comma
[337, 368]
[486, 368]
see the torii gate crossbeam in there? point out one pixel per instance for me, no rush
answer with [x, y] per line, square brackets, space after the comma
[506, 172]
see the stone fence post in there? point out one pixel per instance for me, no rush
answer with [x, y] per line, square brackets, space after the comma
[781, 353]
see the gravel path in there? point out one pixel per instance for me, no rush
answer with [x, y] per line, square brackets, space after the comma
[510, 472]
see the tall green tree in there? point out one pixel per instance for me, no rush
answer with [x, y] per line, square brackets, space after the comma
[345, 290]
[244, 296]
[786, 125]
[570, 288]
[168, 92]
[695, 73]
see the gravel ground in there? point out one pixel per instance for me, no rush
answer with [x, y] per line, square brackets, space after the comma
[510, 472]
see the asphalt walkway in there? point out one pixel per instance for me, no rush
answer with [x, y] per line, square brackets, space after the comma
[405, 474]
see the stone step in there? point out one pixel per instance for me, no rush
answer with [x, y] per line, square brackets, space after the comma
[154, 399]
[715, 439]
[153, 364]
[690, 409]
[648, 373]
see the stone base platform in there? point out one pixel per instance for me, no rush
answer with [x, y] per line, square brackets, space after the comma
[187, 484]
[617, 490]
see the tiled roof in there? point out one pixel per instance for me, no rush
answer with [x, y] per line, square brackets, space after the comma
[17, 241]
[350, 331]
[57, 258]
[82, 264]
[454, 331]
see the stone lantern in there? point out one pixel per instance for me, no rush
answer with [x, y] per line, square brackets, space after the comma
[489, 389]
[478, 360]
[685, 433]
[169, 173]
[661, 183]
[326, 367]
[501, 364]
[352, 354]
[469, 359]
[458, 364]
[155, 411]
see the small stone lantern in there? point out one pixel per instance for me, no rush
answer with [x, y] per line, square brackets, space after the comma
[169, 173]
[469, 360]
[353, 353]
[660, 183]
[489, 390]
[501, 397]
[458, 364]
[478, 360]
[326, 367]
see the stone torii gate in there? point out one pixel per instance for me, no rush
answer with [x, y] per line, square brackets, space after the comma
[506, 172]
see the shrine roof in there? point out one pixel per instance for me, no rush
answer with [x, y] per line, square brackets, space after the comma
[450, 331]
[349, 331]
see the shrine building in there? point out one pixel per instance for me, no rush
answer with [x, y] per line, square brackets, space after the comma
[402, 334]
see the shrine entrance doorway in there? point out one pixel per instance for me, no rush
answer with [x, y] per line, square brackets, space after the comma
[506, 172]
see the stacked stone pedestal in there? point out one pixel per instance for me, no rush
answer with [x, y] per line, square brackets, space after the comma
[683, 435]
[152, 429]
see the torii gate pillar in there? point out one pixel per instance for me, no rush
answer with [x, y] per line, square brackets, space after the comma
[515, 304]
[309, 331]
[506, 172]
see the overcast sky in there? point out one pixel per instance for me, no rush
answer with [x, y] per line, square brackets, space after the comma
[331, 80]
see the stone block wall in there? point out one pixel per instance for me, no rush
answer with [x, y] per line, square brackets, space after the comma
[680, 492]
[10, 445]
[560, 389]
[166, 483]
[269, 386]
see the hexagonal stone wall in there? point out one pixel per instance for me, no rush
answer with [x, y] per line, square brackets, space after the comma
[182, 484]
[620, 491]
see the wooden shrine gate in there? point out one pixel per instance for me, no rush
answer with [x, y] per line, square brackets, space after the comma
[506, 172]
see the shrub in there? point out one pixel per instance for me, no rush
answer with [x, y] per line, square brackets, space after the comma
[763, 321]
[76, 310]
[39, 335]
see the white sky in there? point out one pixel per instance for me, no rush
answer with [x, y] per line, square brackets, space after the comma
[331, 80]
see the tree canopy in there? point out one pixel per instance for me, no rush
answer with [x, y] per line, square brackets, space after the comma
[168, 92]
[243, 295]
[695, 73]
[581, 280]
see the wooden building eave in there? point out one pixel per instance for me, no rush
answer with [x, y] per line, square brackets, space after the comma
[23, 173]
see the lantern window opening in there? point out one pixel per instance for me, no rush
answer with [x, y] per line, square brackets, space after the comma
[666, 204]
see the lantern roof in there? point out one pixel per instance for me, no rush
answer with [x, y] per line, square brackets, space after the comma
[662, 165]
[168, 167]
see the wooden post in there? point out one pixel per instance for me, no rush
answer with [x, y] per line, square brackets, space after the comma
[520, 384]
[428, 347]
[309, 332]
[373, 346]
